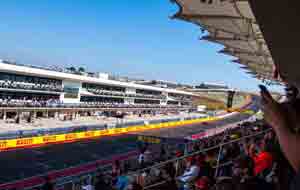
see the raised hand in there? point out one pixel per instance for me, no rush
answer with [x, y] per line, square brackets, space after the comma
[276, 114]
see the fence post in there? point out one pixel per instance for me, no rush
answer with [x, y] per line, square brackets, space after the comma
[218, 160]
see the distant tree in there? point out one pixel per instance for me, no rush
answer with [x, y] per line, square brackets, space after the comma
[71, 69]
[81, 70]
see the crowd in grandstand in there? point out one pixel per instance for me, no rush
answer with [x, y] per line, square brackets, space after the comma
[250, 158]
[179, 97]
[42, 102]
[50, 86]
[29, 102]
[120, 93]
[250, 163]
[260, 161]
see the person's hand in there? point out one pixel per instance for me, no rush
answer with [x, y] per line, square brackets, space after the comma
[275, 114]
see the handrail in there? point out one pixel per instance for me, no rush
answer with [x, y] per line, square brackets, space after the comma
[97, 163]
[195, 153]
[198, 152]
[56, 131]
[164, 181]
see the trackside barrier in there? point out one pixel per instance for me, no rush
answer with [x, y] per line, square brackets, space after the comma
[65, 175]
[76, 136]
[71, 137]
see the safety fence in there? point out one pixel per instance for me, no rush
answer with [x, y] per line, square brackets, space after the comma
[44, 137]
[119, 123]
[75, 136]
[148, 178]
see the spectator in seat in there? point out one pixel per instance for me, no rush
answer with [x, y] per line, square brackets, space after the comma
[134, 186]
[116, 170]
[141, 158]
[179, 165]
[148, 158]
[243, 175]
[163, 153]
[190, 174]
[170, 170]
[205, 168]
[122, 181]
[202, 183]
[263, 161]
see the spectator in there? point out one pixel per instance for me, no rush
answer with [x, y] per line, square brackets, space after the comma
[141, 157]
[170, 170]
[134, 186]
[101, 184]
[190, 174]
[162, 153]
[243, 175]
[122, 181]
[116, 170]
[87, 186]
[148, 158]
[202, 183]
[263, 161]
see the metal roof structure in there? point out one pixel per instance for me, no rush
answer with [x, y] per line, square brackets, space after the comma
[232, 24]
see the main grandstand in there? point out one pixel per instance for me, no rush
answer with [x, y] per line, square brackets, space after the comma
[40, 87]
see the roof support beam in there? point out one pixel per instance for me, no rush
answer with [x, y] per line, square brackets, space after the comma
[210, 38]
[199, 16]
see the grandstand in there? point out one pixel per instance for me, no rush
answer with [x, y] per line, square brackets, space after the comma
[40, 87]
[30, 92]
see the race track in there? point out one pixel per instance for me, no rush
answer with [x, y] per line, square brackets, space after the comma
[24, 163]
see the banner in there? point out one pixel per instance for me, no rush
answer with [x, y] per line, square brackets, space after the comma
[70, 137]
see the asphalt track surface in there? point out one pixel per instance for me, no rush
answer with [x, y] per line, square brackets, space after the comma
[24, 163]
[185, 131]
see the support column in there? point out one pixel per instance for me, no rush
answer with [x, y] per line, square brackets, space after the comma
[4, 115]
[56, 115]
[230, 97]
[34, 115]
[73, 115]
[18, 117]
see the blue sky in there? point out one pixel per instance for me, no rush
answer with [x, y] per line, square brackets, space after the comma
[125, 37]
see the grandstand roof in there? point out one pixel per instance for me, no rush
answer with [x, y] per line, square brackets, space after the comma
[232, 24]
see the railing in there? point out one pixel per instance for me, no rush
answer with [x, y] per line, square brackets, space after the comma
[63, 130]
[57, 176]
[138, 174]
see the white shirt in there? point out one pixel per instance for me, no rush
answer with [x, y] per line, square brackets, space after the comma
[141, 158]
[190, 174]
[87, 187]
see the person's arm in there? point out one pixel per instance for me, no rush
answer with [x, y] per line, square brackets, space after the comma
[279, 117]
